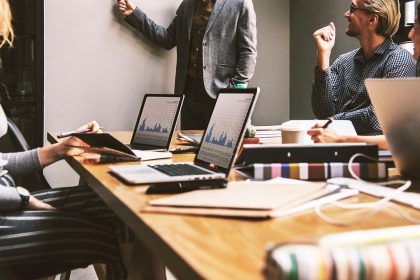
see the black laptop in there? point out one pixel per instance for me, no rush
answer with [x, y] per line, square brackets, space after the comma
[156, 122]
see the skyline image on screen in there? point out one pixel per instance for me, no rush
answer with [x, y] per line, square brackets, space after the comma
[224, 128]
[156, 120]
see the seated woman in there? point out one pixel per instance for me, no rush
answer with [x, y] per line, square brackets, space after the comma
[320, 135]
[56, 230]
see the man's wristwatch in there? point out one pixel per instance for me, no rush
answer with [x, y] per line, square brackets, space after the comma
[24, 196]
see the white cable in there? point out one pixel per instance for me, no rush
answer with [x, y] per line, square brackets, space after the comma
[366, 214]
[353, 157]
[371, 207]
[354, 175]
[377, 203]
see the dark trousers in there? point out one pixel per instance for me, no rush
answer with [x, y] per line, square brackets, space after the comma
[40, 243]
[198, 106]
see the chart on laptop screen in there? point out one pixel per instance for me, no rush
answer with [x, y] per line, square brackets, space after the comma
[156, 120]
[224, 128]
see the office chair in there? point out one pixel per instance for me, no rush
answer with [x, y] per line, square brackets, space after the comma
[14, 141]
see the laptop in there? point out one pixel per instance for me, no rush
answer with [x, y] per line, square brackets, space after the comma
[217, 150]
[152, 133]
[156, 122]
[396, 104]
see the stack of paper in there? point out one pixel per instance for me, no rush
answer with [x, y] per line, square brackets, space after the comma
[268, 131]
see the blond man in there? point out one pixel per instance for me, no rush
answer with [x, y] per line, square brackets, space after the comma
[338, 89]
[320, 135]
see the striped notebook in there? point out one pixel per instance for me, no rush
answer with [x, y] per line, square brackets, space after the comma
[315, 171]
[396, 260]
[388, 253]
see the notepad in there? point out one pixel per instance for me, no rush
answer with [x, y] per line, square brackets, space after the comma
[248, 200]
[110, 147]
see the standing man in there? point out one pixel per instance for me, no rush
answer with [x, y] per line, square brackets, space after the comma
[216, 44]
[339, 90]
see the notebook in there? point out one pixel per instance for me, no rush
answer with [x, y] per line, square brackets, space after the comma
[217, 149]
[314, 171]
[250, 200]
[295, 153]
[385, 253]
[398, 111]
[156, 122]
[112, 150]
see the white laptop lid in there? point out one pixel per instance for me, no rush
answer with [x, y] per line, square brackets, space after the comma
[397, 106]
[156, 120]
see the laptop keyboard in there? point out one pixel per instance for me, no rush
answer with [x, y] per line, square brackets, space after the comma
[179, 169]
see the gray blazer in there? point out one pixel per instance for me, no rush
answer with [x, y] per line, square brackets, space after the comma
[229, 44]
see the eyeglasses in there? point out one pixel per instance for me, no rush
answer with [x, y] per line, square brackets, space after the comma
[354, 9]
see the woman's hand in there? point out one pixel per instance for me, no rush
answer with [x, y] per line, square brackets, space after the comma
[36, 204]
[67, 145]
[323, 135]
[65, 148]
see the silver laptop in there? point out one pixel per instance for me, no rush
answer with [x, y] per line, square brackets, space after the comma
[217, 150]
[156, 122]
[396, 103]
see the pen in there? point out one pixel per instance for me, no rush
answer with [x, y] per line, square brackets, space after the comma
[184, 150]
[185, 137]
[71, 133]
[327, 123]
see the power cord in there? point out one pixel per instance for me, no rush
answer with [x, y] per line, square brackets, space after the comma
[370, 207]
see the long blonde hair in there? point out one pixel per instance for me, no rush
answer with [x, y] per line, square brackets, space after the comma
[6, 29]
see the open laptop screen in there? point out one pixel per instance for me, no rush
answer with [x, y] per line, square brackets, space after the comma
[226, 127]
[398, 114]
[157, 119]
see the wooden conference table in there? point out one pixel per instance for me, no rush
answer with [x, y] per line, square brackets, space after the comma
[205, 247]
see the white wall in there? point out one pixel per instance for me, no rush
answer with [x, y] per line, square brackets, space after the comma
[303, 49]
[97, 67]
[272, 73]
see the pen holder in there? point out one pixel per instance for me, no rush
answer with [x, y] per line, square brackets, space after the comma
[252, 140]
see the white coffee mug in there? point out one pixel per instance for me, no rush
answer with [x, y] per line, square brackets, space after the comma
[293, 135]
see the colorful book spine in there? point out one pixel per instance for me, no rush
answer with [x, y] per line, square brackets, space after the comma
[395, 260]
[318, 171]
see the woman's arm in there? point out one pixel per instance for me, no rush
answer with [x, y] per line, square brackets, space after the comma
[320, 135]
[50, 154]
[24, 163]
